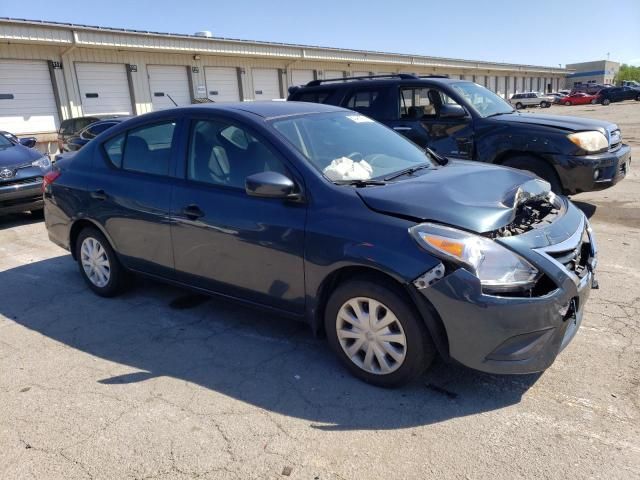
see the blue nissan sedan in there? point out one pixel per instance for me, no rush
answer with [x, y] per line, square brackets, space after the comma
[322, 214]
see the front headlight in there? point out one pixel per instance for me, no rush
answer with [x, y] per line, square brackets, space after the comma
[498, 268]
[589, 141]
[43, 162]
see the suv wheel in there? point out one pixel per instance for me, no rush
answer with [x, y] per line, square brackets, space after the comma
[519, 106]
[98, 263]
[377, 334]
[638, 98]
[606, 101]
[544, 105]
[538, 167]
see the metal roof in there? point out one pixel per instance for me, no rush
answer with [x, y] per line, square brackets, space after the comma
[309, 52]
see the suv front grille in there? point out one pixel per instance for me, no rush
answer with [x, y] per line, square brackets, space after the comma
[21, 181]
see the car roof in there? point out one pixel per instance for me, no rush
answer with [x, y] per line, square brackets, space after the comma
[378, 81]
[267, 109]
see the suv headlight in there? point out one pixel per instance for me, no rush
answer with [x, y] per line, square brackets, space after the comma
[498, 268]
[589, 141]
[43, 162]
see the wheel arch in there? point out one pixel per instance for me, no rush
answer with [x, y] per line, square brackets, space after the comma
[421, 305]
[504, 157]
[77, 227]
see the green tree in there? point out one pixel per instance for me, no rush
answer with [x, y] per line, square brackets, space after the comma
[628, 72]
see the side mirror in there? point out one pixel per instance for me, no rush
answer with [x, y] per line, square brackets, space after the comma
[452, 111]
[270, 185]
[28, 141]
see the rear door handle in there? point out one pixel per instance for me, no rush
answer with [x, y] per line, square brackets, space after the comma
[192, 212]
[402, 129]
[99, 194]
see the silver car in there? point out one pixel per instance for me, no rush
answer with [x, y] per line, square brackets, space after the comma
[531, 99]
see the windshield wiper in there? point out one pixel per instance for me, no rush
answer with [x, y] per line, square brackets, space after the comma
[499, 113]
[360, 182]
[407, 171]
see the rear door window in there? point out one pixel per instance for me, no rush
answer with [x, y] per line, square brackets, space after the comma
[368, 101]
[148, 149]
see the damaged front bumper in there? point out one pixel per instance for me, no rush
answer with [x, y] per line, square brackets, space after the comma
[511, 334]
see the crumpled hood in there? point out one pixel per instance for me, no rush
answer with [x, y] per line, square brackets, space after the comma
[471, 195]
[574, 124]
[17, 156]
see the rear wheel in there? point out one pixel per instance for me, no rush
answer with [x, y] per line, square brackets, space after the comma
[544, 105]
[98, 263]
[567, 103]
[638, 98]
[377, 334]
[519, 106]
[606, 101]
[539, 167]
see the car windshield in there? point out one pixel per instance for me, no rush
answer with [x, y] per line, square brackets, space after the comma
[5, 142]
[483, 101]
[347, 146]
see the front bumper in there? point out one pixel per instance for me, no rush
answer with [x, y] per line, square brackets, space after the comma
[577, 172]
[21, 195]
[516, 335]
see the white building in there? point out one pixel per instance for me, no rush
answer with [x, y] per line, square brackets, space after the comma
[52, 71]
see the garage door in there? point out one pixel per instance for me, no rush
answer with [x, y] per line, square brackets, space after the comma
[27, 103]
[360, 74]
[168, 82]
[519, 85]
[222, 84]
[266, 85]
[301, 77]
[333, 74]
[491, 83]
[103, 88]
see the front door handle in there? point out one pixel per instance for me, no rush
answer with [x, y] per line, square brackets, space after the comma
[192, 212]
[99, 194]
[402, 129]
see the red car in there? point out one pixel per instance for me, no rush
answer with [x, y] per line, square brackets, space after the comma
[579, 99]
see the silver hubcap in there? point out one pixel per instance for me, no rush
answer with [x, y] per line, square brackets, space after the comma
[95, 262]
[371, 335]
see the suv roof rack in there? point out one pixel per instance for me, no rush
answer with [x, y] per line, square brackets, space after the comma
[433, 76]
[404, 76]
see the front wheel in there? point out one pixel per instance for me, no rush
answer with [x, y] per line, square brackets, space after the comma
[519, 106]
[638, 98]
[544, 105]
[567, 103]
[98, 263]
[594, 101]
[606, 102]
[377, 334]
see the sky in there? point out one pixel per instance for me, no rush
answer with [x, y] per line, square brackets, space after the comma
[544, 32]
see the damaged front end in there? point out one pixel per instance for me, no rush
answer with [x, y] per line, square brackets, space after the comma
[512, 298]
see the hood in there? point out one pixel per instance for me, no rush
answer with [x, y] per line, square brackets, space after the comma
[470, 195]
[17, 156]
[573, 124]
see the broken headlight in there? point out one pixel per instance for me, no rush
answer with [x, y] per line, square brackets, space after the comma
[498, 268]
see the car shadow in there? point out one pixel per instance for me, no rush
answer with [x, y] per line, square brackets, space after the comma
[271, 362]
[589, 209]
[17, 219]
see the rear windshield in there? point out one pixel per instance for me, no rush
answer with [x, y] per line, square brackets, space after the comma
[313, 97]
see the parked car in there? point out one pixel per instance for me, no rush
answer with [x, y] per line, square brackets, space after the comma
[29, 142]
[617, 94]
[90, 132]
[460, 119]
[531, 99]
[579, 99]
[557, 96]
[630, 83]
[335, 219]
[588, 88]
[21, 173]
[564, 92]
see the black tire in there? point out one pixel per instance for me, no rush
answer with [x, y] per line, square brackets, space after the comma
[539, 167]
[594, 101]
[567, 103]
[606, 102]
[638, 98]
[544, 105]
[519, 106]
[118, 276]
[420, 350]
[39, 213]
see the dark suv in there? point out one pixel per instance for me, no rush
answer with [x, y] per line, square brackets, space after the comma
[461, 119]
[618, 94]
[325, 215]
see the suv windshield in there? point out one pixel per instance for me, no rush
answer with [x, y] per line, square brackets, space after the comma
[348, 146]
[482, 100]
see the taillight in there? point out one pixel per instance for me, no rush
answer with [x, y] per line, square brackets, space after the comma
[49, 178]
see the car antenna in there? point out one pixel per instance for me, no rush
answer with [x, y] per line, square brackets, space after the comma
[172, 100]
